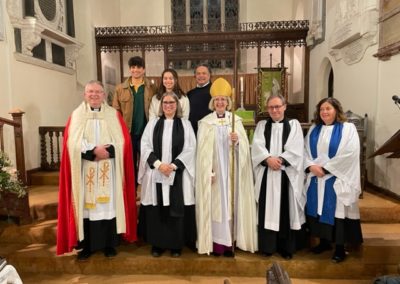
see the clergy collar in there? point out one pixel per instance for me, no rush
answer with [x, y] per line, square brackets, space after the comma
[198, 86]
[220, 115]
[277, 121]
[95, 109]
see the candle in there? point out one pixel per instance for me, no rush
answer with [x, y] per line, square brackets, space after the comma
[152, 81]
[241, 85]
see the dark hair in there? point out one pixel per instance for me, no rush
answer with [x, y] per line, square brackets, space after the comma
[203, 65]
[340, 116]
[136, 61]
[177, 89]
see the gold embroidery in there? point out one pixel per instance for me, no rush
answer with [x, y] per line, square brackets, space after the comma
[104, 185]
[222, 121]
[104, 172]
[90, 177]
[89, 185]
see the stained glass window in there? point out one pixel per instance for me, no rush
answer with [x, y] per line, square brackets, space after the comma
[204, 15]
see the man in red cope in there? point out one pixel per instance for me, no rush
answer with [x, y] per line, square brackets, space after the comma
[97, 188]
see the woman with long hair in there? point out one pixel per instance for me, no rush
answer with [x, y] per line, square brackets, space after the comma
[169, 85]
[332, 165]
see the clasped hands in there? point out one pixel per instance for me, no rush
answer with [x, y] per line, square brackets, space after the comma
[275, 163]
[166, 169]
[317, 170]
[101, 152]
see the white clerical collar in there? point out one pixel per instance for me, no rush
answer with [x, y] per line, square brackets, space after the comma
[198, 86]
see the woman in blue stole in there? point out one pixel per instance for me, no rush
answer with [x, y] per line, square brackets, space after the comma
[332, 150]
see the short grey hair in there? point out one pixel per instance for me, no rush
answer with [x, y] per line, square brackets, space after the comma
[94, 82]
[211, 103]
[273, 96]
[178, 113]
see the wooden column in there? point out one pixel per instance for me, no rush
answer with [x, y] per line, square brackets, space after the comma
[235, 70]
[121, 64]
[19, 144]
[98, 61]
[306, 81]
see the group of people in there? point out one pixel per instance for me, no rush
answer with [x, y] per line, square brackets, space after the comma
[200, 182]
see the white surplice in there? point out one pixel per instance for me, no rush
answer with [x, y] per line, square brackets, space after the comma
[147, 176]
[293, 154]
[345, 165]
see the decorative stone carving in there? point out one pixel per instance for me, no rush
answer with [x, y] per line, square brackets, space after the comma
[30, 35]
[316, 33]
[355, 30]
[34, 29]
[14, 9]
[58, 22]
[71, 53]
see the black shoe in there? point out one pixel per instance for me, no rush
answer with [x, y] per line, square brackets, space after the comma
[216, 254]
[321, 248]
[286, 255]
[84, 255]
[156, 252]
[175, 252]
[229, 253]
[110, 252]
[266, 254]
[338, 257]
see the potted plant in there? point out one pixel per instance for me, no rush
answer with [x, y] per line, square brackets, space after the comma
[12, 189]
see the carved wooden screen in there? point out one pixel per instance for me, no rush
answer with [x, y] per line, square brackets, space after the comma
[198, 46]
[222, 15]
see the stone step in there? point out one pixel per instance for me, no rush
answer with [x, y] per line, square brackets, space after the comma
[374, 208]
[41, 259]
[44, 178]
[35, 233]
[377, 208]
[176, 279]
[43, 202]
[32, 249]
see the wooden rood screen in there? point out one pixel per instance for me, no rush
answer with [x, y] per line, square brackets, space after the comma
[191, 44]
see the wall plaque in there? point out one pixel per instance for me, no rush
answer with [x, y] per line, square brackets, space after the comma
[389, 29]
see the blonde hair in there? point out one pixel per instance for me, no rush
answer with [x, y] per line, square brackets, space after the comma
[228, 99]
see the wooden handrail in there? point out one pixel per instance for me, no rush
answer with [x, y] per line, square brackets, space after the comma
[12, 205]
[16, 123]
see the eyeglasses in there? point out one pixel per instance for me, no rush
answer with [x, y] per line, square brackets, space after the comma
[94, 92]
[274, 107]
[169, 102]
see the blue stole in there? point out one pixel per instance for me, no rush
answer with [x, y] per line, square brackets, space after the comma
[329, 206]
